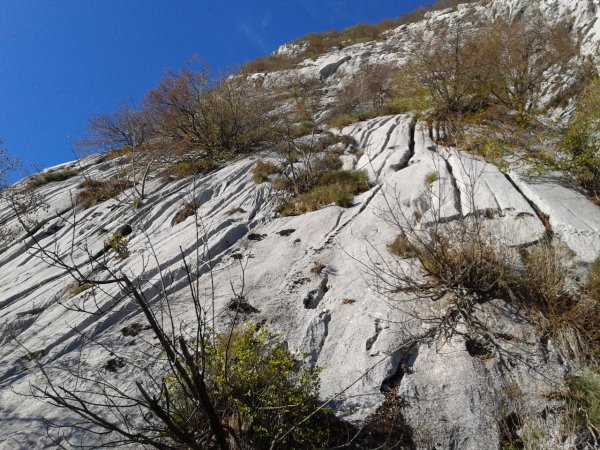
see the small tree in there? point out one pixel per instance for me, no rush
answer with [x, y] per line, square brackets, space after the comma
[581, 139]
[192, 111]
[21, 198]
[526, 56]
[129, 130]
[369, 90]
[447, 63]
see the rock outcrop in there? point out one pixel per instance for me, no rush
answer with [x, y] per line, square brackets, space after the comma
[454, 387]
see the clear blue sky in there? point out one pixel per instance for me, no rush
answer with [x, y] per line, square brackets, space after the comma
[64, 60]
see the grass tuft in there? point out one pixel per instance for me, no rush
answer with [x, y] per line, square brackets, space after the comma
[188, 210]
[97, 191]
[402, 247]
[76, 290]
[188, 168]
[338, 187]
[262, 170]
[583, 393]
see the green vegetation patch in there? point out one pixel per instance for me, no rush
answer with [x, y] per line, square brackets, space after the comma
[262, 170]
[584, 396]
[189, 168]
[258, 386]
[77, 289]
[337, 187]
[52, 177]
[98, 191]
[402, 247]
[432, 177]
[61, 175]
[188, 210]
[118, 244]
[342, 120]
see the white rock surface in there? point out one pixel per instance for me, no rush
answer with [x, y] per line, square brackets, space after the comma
[346, 338]
[361, 337]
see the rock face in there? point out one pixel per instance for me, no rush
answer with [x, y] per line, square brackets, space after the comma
[455, 388]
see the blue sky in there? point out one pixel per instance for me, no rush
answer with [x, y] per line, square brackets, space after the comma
[64, 60]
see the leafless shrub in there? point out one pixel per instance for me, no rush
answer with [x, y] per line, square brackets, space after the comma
[525, 54]
[369, 94]
[193, 112]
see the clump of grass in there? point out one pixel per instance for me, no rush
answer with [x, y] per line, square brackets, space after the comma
[241, 305]
[402, 247]
[269, 63]
[431, 177]
[330, 162]
[97, 191]
[592, 285]
[318, 198]
[115, 153]
[304, 128]
[338, 187]
[188, 210]
[583, 395]
[188, 168]
[233, 211]
[317, 268]
[262, 170]
[51, 177]
[118, 244]
[544, 280]
[343, 139]
[76, 290]
[136, 203]
[343, 120]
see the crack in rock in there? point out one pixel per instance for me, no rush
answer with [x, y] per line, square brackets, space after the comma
[315, 337]
[314, 297]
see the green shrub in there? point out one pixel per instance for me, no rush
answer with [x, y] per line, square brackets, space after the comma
[118, 244]
[96, 191]
[337, 187]
[581, 140]
[262, 170]
[183, 169]
[136, 203]
[260, 390]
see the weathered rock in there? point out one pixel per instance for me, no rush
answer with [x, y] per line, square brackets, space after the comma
[368, 342]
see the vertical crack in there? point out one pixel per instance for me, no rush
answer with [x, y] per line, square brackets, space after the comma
[542, 216]
[455, 188]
